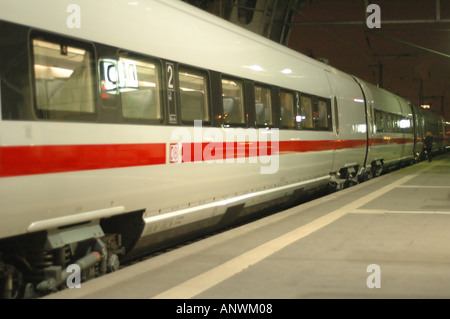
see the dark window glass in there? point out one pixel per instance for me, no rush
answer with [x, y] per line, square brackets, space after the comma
[194, 98]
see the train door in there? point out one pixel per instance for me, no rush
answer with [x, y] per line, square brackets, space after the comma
[419, 130]
[335, 115]
[415, 121]
[370, 121]
[350, 134]
[405, 126]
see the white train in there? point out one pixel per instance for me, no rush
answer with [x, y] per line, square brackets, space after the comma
[126, 127]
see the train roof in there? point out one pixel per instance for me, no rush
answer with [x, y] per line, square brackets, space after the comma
[175, 31]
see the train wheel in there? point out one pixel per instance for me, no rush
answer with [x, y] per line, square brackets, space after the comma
[335, 186]
[11, 282]
[377, 170]
[369, 175]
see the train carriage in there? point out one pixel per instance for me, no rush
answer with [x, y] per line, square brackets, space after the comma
[118, 138]
[390, 129]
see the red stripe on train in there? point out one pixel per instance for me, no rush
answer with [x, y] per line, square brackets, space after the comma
[44, 159]
[198, 152]
[213, 151]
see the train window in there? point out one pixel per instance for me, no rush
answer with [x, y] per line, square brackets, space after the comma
[194, 98]
[64, 80]
[336, 115]
[396, 124]
[108, 82]
[233, 102]
[263, 106]
[287, 109]
[324, 115]
[379, 121]
[406, 125]
[306, 113]
[389, 123]
[399, 124]
[139, 82]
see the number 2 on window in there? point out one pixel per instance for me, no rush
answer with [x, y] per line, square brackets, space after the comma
[170, 76]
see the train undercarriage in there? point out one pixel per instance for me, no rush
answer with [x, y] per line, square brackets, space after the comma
[41, 263]
[354, 174]
[31, 272]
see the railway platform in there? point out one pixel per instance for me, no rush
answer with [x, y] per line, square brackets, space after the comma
[385, 238]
